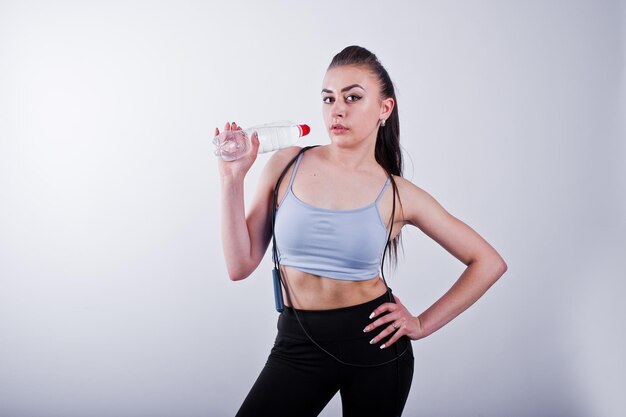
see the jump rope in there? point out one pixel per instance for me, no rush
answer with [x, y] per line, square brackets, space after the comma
[279, 280]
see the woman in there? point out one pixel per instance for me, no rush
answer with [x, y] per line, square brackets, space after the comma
[339, 207]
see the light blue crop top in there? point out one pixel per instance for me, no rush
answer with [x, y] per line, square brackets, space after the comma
[339, 244]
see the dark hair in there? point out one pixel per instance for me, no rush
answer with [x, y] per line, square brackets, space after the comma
[388, 152]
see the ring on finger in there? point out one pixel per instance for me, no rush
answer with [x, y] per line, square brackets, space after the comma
[395, 325]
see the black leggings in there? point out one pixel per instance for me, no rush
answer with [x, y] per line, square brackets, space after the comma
[299, 379]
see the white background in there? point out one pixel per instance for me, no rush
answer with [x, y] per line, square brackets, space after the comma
[114, 300]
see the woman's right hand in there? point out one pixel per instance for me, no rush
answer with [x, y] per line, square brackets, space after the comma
[239, 167]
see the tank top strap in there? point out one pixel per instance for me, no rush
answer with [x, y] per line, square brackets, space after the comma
[295, 168]
[383, 190]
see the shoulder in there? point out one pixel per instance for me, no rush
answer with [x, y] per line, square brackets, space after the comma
[407, 189]
[418, 206]
[279, 160]
[277, 163]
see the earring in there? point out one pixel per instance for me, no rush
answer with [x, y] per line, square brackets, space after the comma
[382, 122]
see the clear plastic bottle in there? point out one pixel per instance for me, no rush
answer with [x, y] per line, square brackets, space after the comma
[233, 144]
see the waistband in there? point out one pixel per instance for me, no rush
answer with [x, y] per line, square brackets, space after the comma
[343, 323]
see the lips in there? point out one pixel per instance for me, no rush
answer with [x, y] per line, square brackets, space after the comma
[337, 128]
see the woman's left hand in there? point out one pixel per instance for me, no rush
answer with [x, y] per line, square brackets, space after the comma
[398, 321]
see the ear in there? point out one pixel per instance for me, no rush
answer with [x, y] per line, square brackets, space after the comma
[386, 107]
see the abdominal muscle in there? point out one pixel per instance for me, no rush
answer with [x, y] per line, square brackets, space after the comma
[313, 292]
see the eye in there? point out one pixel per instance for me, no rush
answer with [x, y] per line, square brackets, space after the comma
[327, 100]
[352, 98]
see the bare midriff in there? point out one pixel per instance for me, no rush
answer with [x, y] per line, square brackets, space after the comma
[313, 292]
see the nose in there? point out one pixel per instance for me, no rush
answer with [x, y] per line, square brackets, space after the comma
[338, 109]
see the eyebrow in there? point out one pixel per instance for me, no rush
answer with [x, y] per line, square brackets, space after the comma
[351, 86]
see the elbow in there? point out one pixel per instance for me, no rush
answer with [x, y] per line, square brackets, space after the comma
[238, 272]
[504, 267]
[237, 275]
[242, 268]
[500, 266]
[493, 267]
[235, 278]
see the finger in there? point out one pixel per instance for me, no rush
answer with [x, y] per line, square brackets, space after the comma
[233, 126]
[383, 334]
[380, 309]
[227, 126]
[254, 140]
[394, 338]
[386, 307]
[217, 132]
[385, 319]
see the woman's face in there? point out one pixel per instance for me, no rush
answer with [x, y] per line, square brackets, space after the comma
[351, 104]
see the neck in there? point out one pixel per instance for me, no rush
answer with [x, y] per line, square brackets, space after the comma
[359, 157]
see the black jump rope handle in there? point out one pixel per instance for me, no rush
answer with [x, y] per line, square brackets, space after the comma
[278, 292]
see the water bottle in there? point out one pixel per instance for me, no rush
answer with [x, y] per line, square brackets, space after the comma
[233, 144]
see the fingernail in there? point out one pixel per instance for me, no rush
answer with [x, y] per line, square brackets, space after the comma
[383, 346]
[367, 329]
[372, 315]
[372, 341]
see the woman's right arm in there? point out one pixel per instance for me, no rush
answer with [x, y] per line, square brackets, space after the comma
[245, 238]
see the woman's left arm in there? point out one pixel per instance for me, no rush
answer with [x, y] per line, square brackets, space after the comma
[484, 267]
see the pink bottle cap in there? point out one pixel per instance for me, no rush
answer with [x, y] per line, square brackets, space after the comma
[304, 130]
